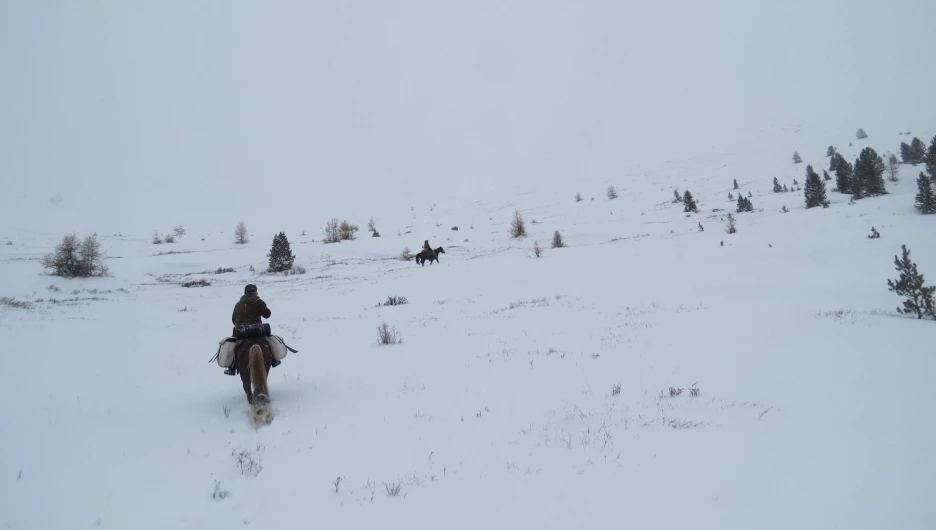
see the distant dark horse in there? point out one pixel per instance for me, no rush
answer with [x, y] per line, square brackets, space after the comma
[254, 357]
[430, 256]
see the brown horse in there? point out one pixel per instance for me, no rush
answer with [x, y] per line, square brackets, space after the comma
[253, 358]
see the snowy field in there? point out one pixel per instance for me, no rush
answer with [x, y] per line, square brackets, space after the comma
[526, 393]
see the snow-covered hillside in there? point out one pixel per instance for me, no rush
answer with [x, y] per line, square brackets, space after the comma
[526, 393]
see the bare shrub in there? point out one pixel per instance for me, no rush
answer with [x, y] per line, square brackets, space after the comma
[395, 300]
[219, 494]
[557, 241]
[196, 283]
[14, 303]
[332, 231]
[578, 197]
[517, 226]
[406, 255]
[612, 193]
[731, 225]
[537, 249]
[76, 259]
[240, 233]
[371, 227]
[387, 335]
[178, 231]
[393, 489]
[248, 465]
[157, 240]
[616, 389]
[223, 270]
[169, 238]
[346, 230]
[797, 159]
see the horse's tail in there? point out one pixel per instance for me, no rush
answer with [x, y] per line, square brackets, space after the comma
[257, 371]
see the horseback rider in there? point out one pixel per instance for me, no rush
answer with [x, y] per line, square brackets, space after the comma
[248, 310]
[427, 249]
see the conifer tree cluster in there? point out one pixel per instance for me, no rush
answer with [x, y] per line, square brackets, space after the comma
[689, 203]
[815, 189]
[745, 204]
[910, 284]
[915, 153]
[281, 257]
[868, 178]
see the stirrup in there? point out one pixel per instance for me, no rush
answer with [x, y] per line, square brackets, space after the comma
[276, 362]
[229, 371]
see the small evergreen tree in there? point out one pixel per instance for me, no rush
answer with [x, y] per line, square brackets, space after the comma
[910, 284]
[731, 225]
[825, 175]
[689, 203]
[797, 159]
[815, 189]
[735, 183]
[612, 193]
[869, 175]
[676, 196]
[281, 257]
[861, 134]
[926, 196]
[833, 162]
[776, 186]
[843, 174]
[730, 196]
[557, 241]
[744, 204]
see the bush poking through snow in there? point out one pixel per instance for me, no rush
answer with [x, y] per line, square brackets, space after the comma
[76, 259]
[14, 303]
[332, 231]
[612, 193]
[797, 159]
[393, 489]
[910, 284]
[537, 249]
[517, 226]
[616, 389]
[248, 465]
[178, 231]
[196, 283]
[578, 197]
[406, 255]
[861, 134]
[731, 225]
[557, 241]
[387, 335]
[395, 300]
[219, 494]
[346, 230]
[156, 239]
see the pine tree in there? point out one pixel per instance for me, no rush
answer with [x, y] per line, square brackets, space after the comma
[825, 175]
[676, 196]
[869, 175]
[745, 204]
[917, 151]
[833, 162]
[281, 257]
[926, 196]
[815, 189]
[905, 154]
[830, 151]
[776, 186]
[843, 174]
[689, 202]
[735, 183]
[910, 284]
[797, 159]
[861, 134]
[931, 159]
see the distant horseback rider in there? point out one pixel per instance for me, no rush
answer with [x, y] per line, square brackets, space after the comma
[248, 310]
[427, 249]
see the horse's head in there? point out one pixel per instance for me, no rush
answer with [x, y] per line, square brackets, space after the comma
[440, 250]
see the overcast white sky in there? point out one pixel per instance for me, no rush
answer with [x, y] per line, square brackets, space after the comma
[110, 103]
